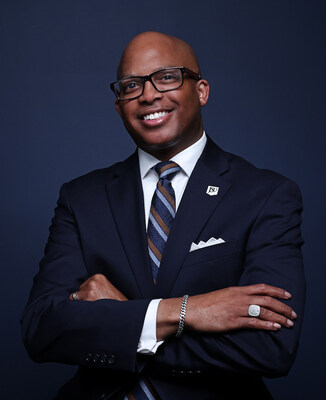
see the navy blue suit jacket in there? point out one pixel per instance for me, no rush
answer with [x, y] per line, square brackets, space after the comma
[99, 227]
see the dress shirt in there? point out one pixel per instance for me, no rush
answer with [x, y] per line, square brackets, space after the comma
[187, 160]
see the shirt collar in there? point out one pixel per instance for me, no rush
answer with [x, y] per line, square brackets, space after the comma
[187, 158]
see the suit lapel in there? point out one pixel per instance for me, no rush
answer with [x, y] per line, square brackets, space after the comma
[125, 196]
[193, 213]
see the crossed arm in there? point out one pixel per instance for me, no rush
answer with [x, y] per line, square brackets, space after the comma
[218, 331]
[215, 312]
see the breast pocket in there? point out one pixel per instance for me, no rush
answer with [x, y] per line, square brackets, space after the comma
[210, 268]
[211, 252]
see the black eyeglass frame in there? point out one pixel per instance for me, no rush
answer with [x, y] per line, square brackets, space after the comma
[146, 78]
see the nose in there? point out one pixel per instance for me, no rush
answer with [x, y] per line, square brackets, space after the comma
[150, 94]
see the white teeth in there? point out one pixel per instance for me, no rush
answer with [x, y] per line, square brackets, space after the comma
[155, 115]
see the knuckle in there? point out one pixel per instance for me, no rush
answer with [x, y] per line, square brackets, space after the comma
[267, 300]
[263, 312]
[252, 322]
[269, 325]
[92, 284]
[262, 287]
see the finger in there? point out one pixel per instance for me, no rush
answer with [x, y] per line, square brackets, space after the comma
[80, 295]
[73, 296]
[93, 280]
[263, 289]
[255, 323]
[274, 305]
[273, 317]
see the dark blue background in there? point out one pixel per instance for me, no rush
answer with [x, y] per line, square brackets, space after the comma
[265, 61]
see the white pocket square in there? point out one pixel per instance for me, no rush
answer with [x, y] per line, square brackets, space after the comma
[210, 242]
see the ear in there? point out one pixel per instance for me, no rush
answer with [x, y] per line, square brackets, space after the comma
[118, 107]
[203, 91]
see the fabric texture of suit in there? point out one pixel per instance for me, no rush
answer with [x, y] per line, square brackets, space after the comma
[99, 227]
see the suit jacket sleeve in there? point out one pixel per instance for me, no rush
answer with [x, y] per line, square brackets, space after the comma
[272, 255]
[102, 333]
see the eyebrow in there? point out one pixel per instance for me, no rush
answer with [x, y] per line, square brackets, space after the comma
[126, 76]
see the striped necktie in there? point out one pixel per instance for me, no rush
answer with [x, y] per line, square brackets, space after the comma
[141, 391]
[161, 214]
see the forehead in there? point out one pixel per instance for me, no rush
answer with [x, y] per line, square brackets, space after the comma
[145, 58]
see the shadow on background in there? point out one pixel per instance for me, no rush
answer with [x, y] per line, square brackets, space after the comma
[265, 61]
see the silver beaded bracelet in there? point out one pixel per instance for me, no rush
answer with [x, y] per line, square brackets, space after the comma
[182, 315]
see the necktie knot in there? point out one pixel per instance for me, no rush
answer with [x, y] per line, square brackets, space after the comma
[167, 169]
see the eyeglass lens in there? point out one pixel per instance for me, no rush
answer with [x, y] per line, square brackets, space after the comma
[164, 80]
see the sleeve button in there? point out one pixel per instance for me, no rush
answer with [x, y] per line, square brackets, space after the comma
[103, 359]
[111, 359]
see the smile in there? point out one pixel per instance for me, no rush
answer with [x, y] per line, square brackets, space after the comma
[156, 115]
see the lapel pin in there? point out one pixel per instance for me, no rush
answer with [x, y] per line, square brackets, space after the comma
[212, 190]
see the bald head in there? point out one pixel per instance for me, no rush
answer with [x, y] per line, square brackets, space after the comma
[155, 43]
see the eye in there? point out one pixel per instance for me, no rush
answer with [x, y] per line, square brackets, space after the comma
[129, 86]
[167, 77]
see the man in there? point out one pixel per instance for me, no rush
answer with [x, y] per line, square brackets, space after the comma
[191, 298]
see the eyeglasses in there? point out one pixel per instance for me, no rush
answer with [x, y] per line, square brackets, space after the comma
[163, 80]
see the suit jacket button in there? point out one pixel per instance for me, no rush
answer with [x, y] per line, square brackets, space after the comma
[111, 359]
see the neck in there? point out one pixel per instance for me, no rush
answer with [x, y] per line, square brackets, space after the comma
[167, 151]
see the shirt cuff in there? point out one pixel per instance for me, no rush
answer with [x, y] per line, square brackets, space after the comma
[147, 343]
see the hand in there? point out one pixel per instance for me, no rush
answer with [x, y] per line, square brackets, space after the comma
[227, 309]
[98, 287]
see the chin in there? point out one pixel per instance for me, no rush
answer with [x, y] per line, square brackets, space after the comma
[160, 144]
[155, 140]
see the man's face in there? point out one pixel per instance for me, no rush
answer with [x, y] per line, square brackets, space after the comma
[177, 114]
